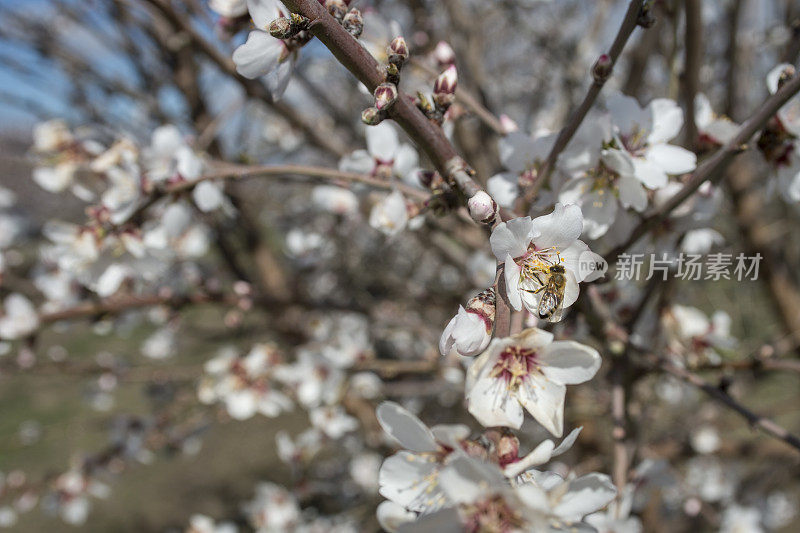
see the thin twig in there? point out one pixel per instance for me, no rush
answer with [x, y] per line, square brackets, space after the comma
[711, 168]
[629, 23]
[469, 100]
[765, 424]
[692, 64]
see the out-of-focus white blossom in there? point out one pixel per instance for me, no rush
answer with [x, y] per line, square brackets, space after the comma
[19, 317]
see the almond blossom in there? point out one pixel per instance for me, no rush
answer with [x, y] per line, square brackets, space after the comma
[714, 130]
[607, 185]
[779, 141]
[470, 331]
[245, 384]
[527, 371]
[264, 56]
[409, 478]
[385, 156]
[390, 215]
[273, 509]
[645, 133]
[528, 248]
[485, 501]
[228, 8]
[18, 317]
[522, 156]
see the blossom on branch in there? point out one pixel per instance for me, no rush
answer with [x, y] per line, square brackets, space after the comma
[528, 371]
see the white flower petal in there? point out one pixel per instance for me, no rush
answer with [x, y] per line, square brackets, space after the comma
[504, 189]
[667, 120]
[406, 159]
[650, 174]
[558, 229]
[672, 159]
[544, 400]
[258, 56]
[568, 441]
[392, 515]
[489, 402]
[382, 141]
[627, 115]
[404, 479]
[511, 238]
[599, 212]
[585, 495]
[263, 12]
[569, 362]
[358, 162]
[618, 161]
[632, 193]
[511, 274]
[208, 196]
[405, 428]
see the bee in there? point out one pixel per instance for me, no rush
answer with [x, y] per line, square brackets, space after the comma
[552, 289]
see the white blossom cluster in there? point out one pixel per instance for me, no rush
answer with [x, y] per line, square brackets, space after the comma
[405, 285]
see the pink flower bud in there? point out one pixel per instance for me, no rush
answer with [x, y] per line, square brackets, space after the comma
[482, 208]
[353, 22]
[337, 8]
[444, 88]
[602, 68]
[281, 28]
[444, 54]
[397, 51]
[385, 96]
[372, 116]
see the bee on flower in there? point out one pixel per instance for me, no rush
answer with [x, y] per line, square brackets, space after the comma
[544, 260]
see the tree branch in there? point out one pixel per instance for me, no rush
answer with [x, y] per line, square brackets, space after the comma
[711, 168]
[629, 23]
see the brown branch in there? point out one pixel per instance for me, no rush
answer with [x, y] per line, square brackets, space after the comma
[765, 424]
[711, 168]
[629, 23]
[230, 171]
[348, 51]
[426, 135]
[116, 305]
[692, 64]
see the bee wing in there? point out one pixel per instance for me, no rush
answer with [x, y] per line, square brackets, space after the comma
[555, 316]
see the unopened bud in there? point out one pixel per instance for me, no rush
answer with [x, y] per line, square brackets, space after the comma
[646, 18]
[397, 51]
[337, 8]
[392, 74]
[353, 22]
[602, 68]
[507, 449]
[281, 28]
[372, 116]
[424, 104]
[444, 88]
[444, 54]
[484, 304]
[482, 208]
[385, 96]
[286, 28]
[786, 74]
